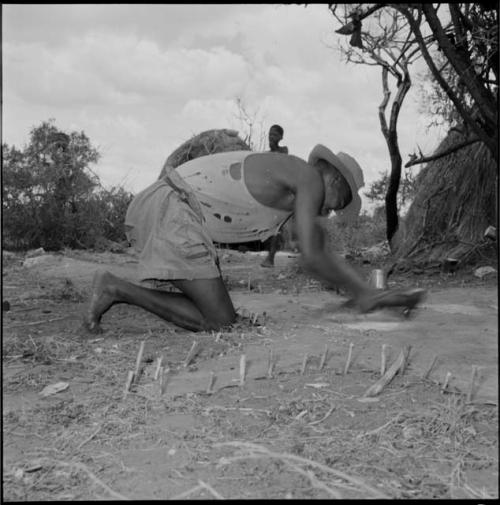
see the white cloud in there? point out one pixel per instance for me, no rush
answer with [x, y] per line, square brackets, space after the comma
[141, 79]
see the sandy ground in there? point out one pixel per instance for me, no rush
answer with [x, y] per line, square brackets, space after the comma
[458, 326]
[89, 442]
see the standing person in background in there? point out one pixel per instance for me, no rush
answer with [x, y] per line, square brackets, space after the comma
[275, 136]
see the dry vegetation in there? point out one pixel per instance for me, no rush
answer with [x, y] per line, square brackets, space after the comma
[293, 436]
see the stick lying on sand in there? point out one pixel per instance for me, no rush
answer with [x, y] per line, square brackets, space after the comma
[398, 365]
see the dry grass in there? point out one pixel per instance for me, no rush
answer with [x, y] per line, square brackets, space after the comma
[281, 437]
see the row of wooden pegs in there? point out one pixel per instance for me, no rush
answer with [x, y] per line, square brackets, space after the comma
[386, 374]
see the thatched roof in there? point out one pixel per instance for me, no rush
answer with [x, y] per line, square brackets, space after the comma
[454, 204]
[207, 142]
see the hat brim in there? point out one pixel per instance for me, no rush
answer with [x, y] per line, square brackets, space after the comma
[351, 211]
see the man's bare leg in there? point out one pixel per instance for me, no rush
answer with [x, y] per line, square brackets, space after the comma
[273, 249]
[204, 304]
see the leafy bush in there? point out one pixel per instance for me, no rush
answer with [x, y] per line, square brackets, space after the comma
[50, 197]
[365, 232]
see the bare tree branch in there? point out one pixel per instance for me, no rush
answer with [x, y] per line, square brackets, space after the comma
[442, 82]
[414, 160]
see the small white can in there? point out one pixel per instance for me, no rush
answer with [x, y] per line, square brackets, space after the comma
[377, 279]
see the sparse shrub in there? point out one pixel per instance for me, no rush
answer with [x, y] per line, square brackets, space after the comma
[51, 198]
[366, 231]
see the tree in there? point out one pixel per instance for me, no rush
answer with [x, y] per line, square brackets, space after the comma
[387, 45]
[378, 189]
[51, 198]
[248, 123]
[466, 35]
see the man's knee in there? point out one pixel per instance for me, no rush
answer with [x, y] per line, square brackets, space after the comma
[220, 320]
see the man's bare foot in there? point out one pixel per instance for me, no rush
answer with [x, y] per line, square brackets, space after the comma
[407, 298]
[100, 301]
[267, 263]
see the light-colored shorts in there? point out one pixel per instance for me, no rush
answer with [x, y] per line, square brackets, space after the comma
[169, 235]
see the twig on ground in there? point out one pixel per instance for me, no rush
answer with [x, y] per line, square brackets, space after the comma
[211, 490]
[315, 482]
[376, 431]
[377, 388]
[38, 322]
[429, 370]
[185, 494]
[257, 451]
[85, 469]
[94, 433]
[313, 423]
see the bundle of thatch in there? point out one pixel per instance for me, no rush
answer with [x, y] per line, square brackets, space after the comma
[207, 142]
[454, 204]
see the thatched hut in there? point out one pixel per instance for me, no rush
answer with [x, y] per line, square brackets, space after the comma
[207, 142]
[454, 204]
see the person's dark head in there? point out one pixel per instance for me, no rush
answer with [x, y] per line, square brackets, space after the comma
[275, 135]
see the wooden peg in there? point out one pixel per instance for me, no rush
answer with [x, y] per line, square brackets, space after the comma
[383, 360]
[472, 381]
[211, 382]
[349, 358]
[271, 363]
[429, 370]
[446, 382]
[164, 376]
[243, 369]
[158, 368]
[323, 358]
[138, 361]
[128, 383]
[304, 364]
[191, 354]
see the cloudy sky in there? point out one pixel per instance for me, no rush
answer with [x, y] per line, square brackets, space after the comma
[141, 79]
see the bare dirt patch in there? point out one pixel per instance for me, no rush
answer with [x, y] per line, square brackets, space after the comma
[304, 433]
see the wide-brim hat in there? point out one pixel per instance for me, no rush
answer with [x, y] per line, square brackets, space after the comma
[352, 173]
